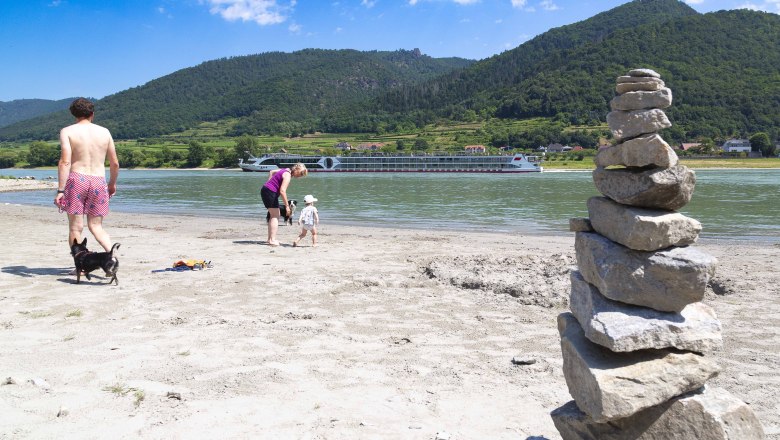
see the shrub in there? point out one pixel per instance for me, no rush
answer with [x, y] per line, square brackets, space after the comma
[7, 162]
[42, 154]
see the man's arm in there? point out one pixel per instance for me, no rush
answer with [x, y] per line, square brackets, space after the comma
[113, 166]
[63, 166]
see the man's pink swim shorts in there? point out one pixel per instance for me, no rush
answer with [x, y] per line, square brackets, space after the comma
[85, 194]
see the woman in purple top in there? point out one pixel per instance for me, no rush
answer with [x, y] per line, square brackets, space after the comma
[276, 186]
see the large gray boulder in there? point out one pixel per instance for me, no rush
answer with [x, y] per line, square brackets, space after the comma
[623, 327]
[627, 125]
[608, 385]
[661, 188]
[627, 84]
[666, 280]
[707, 414]
[642, 100]
[650, 150]
[641, 228]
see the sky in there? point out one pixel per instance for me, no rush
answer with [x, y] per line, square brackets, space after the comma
[56, 49]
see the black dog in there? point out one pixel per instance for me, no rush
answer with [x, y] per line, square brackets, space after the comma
[87, 261]
[286, 214]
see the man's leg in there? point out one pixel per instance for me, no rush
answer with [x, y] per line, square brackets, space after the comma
[75, 228]
[95, 224]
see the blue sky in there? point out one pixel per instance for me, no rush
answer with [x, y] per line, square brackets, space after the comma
[54, 49]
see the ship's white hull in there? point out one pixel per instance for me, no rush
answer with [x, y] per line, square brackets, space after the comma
[254, 165]
[517, 163]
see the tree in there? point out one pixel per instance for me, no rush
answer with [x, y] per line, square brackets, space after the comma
[196, 154]
[707, 147]
[7, 161]
[400, 145]
[42, 154]
[151, 160]
[130, 158]
[760, 142]
[246, 144]
[420, 145]
[330, 151]
[388, 149]
[166, 154]
[226, 158]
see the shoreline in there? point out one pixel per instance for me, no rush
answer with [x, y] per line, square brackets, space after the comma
[10, 185]
[375, 333]
[258, 222]
[546, 169]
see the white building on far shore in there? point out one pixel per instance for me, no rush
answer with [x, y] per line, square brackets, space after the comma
[736, 146]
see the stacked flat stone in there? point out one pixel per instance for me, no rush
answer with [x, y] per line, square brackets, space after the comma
[637, 345]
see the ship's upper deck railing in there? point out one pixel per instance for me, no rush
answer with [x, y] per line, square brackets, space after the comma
[379, 154]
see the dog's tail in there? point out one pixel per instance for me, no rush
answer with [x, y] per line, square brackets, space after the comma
[115, 246]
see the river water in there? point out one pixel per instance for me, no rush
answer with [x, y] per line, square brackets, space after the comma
[731, 204]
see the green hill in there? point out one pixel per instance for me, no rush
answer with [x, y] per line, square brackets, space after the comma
[22, 109]
[485, 82]
[286, 92]
[723, 68]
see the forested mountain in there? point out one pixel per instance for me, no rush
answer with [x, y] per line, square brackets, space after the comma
[21, 109]
[273, 91]
[723, 68]
[490, 79]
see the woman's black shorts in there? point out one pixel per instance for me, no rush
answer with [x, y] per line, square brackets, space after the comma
[270, 198]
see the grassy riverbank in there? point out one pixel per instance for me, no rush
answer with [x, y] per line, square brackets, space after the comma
[587, 164]
[217, 150]
[771, 162]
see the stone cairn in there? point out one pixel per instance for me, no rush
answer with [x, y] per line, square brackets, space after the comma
[637, 344]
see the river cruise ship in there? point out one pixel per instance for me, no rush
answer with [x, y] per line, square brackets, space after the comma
[397, 163]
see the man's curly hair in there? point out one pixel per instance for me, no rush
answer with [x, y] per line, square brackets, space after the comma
[82, 108]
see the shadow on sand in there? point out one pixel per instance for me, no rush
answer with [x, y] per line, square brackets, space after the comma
[259, 242]
[27, 272]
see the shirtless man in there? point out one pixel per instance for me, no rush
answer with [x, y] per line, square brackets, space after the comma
[82, 188]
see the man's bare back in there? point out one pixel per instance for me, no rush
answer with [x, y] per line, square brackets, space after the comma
[88, 144]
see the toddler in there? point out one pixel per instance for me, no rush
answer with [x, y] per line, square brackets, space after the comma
[309, 219]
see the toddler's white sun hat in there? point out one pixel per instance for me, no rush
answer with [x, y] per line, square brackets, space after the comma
[308, 198]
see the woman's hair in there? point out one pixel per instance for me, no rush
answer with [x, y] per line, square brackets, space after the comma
[300, 168]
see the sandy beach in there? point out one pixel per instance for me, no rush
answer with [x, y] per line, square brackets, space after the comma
[373, 334]
[26, 185]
